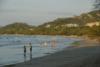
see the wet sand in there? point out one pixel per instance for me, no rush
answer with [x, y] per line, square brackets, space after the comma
[70, 57]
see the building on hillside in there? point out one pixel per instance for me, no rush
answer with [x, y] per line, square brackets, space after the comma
[93, 24]
[72, 25]
[48, 26]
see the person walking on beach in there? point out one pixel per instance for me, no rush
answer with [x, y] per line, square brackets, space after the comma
[24, 53]
[24, 50]
[30, 45]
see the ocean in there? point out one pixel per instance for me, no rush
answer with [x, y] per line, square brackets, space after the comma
[12, 47]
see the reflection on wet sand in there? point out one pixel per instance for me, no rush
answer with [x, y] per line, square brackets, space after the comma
[30, 58]
[44, 44]
[53, 44]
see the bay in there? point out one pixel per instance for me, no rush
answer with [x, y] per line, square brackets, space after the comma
[12, 51]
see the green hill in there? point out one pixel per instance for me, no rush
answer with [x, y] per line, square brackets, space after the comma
[17, 28]
[80, 20]
[62, 26]
[71, 26]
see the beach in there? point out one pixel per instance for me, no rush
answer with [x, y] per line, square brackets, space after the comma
[73, 57]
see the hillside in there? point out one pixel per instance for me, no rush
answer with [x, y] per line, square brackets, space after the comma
[17, 28]
[77, 25]
[81, 20]
[85, 24]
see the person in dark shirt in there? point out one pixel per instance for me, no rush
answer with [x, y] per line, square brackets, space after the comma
[24, 49]
[30, 47]
[24, 53]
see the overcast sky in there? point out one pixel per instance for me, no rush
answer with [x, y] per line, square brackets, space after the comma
[36, 12]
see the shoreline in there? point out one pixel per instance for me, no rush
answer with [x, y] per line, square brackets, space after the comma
[69, 57]
[66, 48]
[28, 59]
[75, 56]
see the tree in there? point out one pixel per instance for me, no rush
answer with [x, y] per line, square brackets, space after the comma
[97, 5]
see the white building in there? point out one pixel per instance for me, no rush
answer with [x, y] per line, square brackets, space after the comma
[47, 26]
[72, 25]
[93, 24]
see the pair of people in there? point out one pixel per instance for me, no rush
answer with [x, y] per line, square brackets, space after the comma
[30, 48]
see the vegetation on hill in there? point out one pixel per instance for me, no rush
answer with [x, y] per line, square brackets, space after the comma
[17, 28]
[62, 26]
[81, 20]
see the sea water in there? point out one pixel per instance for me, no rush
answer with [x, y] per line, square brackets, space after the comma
[12, 51]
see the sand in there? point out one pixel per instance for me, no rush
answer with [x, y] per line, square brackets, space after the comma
[85, 55]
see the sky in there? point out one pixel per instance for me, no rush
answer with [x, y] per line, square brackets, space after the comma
[36, 12]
